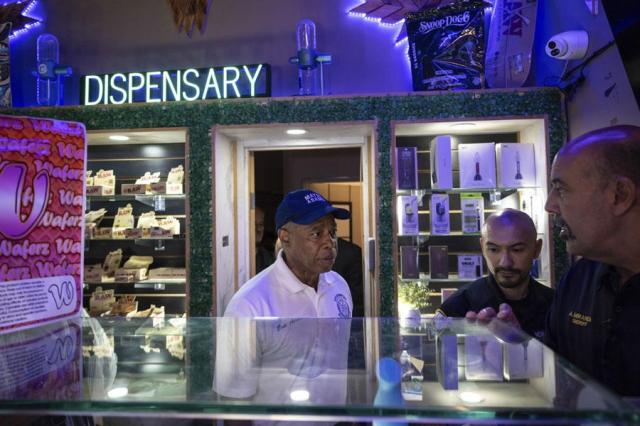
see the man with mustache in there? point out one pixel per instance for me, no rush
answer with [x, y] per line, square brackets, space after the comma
[300, 284]
[509, 244]
[595, 198]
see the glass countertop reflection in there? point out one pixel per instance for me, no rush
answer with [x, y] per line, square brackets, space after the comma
[374, 369]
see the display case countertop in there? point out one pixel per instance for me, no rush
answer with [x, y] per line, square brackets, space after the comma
[374, 369]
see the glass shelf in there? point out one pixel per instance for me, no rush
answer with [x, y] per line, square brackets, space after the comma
[136, 197]
[139, 284]
[301, 375]
[459, 190]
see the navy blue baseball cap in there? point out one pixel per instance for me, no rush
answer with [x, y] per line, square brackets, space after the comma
[304, 207]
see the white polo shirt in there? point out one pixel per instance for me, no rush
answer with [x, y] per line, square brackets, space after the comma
[277, 292]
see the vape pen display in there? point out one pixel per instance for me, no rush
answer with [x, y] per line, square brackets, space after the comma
[409, 262]
[440, 224]
[407, 167]
[440, 162]
[477, 162]
[472, 207]
[516, 165]
[407, 212]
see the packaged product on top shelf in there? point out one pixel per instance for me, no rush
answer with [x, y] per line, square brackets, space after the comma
[123, 221]
[173, 185]
[516, 165]
[407, 167]
[440, 162]
[477, 162]
[134, 269]
[407, 210]
[104, 183]
[142, 185]
[440, 224]
[472, 206]
[469, 266]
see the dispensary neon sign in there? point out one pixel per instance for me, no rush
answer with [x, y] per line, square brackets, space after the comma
[243, 81]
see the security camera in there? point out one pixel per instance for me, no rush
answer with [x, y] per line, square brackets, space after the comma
[568, 45]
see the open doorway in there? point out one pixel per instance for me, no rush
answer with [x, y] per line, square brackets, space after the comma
[257, 165]
[336, 174]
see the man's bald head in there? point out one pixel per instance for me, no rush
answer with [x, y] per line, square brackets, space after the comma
[510, 218]
[610, 151]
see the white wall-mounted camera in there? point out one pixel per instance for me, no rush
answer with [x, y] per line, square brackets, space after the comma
[568, 45]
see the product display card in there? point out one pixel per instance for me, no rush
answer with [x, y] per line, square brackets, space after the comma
[523, 360]
[477, 162]
[409, 262]
[440, 162]
[42, 171]
[438, 262]
[516, 165]
[469, 266]
[407, 167]
[407, 211]
[447, 360]
[472, 206]
[483, 358]
[440, 224]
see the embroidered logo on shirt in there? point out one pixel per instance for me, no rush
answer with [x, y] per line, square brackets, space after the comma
[579, 319]
[343, 306]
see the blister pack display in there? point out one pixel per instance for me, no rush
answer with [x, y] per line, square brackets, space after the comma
[446, 47]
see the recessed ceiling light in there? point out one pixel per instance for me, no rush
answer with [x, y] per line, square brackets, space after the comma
[465, 125]
[296, 131]
[119, 138]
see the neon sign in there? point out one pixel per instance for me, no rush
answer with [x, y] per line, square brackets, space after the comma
[243, 81]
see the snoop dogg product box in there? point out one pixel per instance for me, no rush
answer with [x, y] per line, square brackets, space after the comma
[516, 165]
[407, 167]
[472, 206]
[446, 46]
[469, 266]
[409, 262]
[407, 211]
[42, 172]
[477, 163]
[440, 214]
[438, 262]
[440, 162]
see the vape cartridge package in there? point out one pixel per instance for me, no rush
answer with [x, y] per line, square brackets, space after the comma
[440, 162]
[438, 262]
[469, 266]
[477, 163]
[407, 211]
[516, 165]
[409, 263]
[407, 167]
[440, 224]
[472, 206]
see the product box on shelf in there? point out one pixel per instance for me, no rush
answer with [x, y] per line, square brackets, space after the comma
[133, 189]
[516, 165]
[106, 181]
[469, 266]
[440, 162]
[472, 207]
[407, 211]
[167, 273]
[439, 262]
[440, 223]
[42, 181]
[523, 360]
[477, 163]
[122, 221]
[407, 167]
[409, 263]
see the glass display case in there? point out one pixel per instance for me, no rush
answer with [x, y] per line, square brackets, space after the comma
[449, 176]
[452, 371]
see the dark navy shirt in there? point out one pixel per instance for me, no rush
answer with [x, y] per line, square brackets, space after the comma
[530, 311]
[595, 323]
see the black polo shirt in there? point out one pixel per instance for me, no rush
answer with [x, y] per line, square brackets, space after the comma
[530, 311]
[595, 324]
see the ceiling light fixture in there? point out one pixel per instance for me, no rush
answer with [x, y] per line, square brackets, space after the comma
[465, 125]
[119, 138]
[296, 132]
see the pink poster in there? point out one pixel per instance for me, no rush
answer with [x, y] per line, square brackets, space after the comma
[42, 167]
